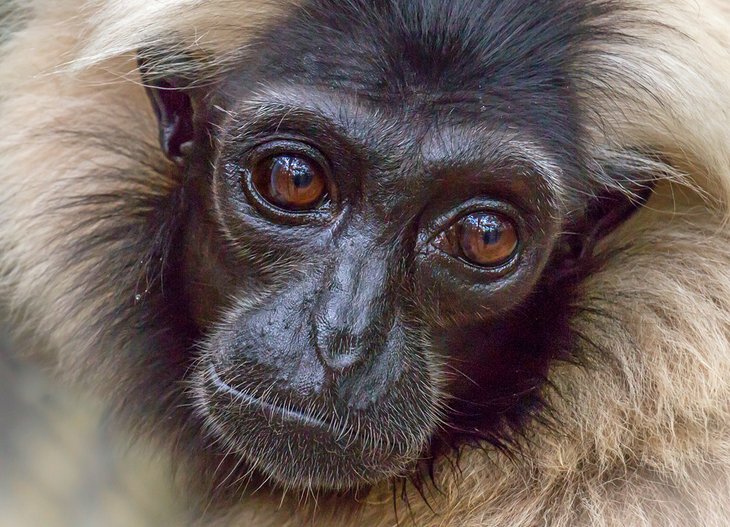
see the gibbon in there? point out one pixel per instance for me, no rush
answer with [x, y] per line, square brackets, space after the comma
[355, 263]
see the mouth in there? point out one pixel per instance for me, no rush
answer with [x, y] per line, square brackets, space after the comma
[308, 447]
[272, 412]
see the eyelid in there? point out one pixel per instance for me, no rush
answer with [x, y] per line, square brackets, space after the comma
[286, 145]
[268, 121]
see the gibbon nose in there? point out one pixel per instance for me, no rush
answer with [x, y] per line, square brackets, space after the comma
[349, 320]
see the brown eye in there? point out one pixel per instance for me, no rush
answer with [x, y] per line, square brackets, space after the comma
[484, 239]
[290, 182]
[487, 239]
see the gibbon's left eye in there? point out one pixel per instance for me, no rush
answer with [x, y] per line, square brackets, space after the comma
[290, 181]
[484, 239]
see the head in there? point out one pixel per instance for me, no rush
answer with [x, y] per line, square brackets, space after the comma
[383, 209]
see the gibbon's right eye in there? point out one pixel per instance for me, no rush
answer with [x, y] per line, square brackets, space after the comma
[291, 182]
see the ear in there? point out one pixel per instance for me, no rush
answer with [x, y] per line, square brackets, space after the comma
[175, 109]
[603, 214]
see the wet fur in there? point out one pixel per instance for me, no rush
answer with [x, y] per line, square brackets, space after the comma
[638, 427]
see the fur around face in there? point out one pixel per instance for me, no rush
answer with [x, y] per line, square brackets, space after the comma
[639, 428]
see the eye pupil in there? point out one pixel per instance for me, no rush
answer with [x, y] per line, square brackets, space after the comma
[491, 237]
[295, 169]
[290, 182]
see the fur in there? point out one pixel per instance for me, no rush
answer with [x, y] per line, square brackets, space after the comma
[639, 428]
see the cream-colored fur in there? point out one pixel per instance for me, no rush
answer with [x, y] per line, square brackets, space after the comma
[645, 435]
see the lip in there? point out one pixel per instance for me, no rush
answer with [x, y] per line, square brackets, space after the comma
[271, 411]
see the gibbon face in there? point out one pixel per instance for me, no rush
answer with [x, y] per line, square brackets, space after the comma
[389, 203]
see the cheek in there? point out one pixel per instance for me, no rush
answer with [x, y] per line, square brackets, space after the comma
[496, 368]
[212, 270]
[494, 354]
[451, 293]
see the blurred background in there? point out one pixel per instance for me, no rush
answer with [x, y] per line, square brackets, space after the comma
[60, 466]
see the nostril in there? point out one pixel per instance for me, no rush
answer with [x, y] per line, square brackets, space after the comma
[340, 350]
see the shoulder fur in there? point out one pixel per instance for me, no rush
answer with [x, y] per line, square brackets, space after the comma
[644, 419]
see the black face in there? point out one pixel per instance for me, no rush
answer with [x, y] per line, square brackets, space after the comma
[377, 258]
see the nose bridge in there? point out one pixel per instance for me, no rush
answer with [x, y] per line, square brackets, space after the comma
[350, 314]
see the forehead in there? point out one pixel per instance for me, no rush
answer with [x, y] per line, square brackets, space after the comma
[451, 51]
[489, 62]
